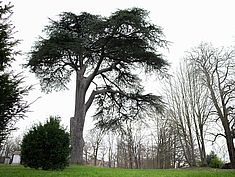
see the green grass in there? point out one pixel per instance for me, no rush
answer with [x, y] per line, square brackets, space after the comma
[84, 171]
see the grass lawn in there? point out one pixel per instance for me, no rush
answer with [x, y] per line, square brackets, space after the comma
[84, 171]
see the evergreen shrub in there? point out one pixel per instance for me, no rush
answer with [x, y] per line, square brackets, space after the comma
[46, 146]
[213, 161]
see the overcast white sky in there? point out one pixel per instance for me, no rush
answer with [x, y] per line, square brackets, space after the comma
[186, 23]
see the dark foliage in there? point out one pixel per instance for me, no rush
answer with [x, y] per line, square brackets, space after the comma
[46, 146]
[12, 104]
[213, 161]
[105, 53]
[227, 166]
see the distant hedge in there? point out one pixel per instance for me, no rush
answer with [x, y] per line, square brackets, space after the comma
[46, 146]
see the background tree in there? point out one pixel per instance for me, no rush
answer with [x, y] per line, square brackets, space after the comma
[104, 53]
[112, 154]
[95, 138]
[189, 109]
[10, 146]
[216, 68]
[163, 149]
[12, 104]
[103, 151]
[180, 115]
[87, 151]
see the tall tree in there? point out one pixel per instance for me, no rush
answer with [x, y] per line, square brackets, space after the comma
[180, 114]
[200, 107]
[216, 68]
[12, 105]
[190, 108]
[104, 53]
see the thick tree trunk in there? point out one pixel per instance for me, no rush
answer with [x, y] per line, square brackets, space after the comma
[77, 142]
[77, 122]
[231, 151]
[225, 122]
[223, 115]
[230, 144]
[228, 134]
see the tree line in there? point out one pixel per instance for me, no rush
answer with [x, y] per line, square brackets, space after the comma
[199, 108]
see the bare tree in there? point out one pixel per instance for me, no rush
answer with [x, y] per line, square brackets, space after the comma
[111, 150]
[10, 146]
[216, 68]
[201, 107]
[122, 152]
[190, 109]
[87, 151]
[180, 114]
[103, 151]
[95, 138]
[166, 147]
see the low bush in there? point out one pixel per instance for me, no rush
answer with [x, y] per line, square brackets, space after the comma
[213, 161]
[46, 146]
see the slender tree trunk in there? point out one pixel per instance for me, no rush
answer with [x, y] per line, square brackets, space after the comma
[96, 154]
[86, 157]
[191, 152]
[110, 158]
[77, 122]
[135, 154]
[185, 148]
[203, 148]
[139, 156]
[130, 155]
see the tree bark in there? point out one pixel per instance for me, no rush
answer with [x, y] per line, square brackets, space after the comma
[77, 122]
[230, 144]
[77, 142]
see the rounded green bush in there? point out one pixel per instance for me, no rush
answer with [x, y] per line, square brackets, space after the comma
[46, 146]
[213, 161]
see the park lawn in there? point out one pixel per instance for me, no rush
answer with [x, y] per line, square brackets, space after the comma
[85, 171]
